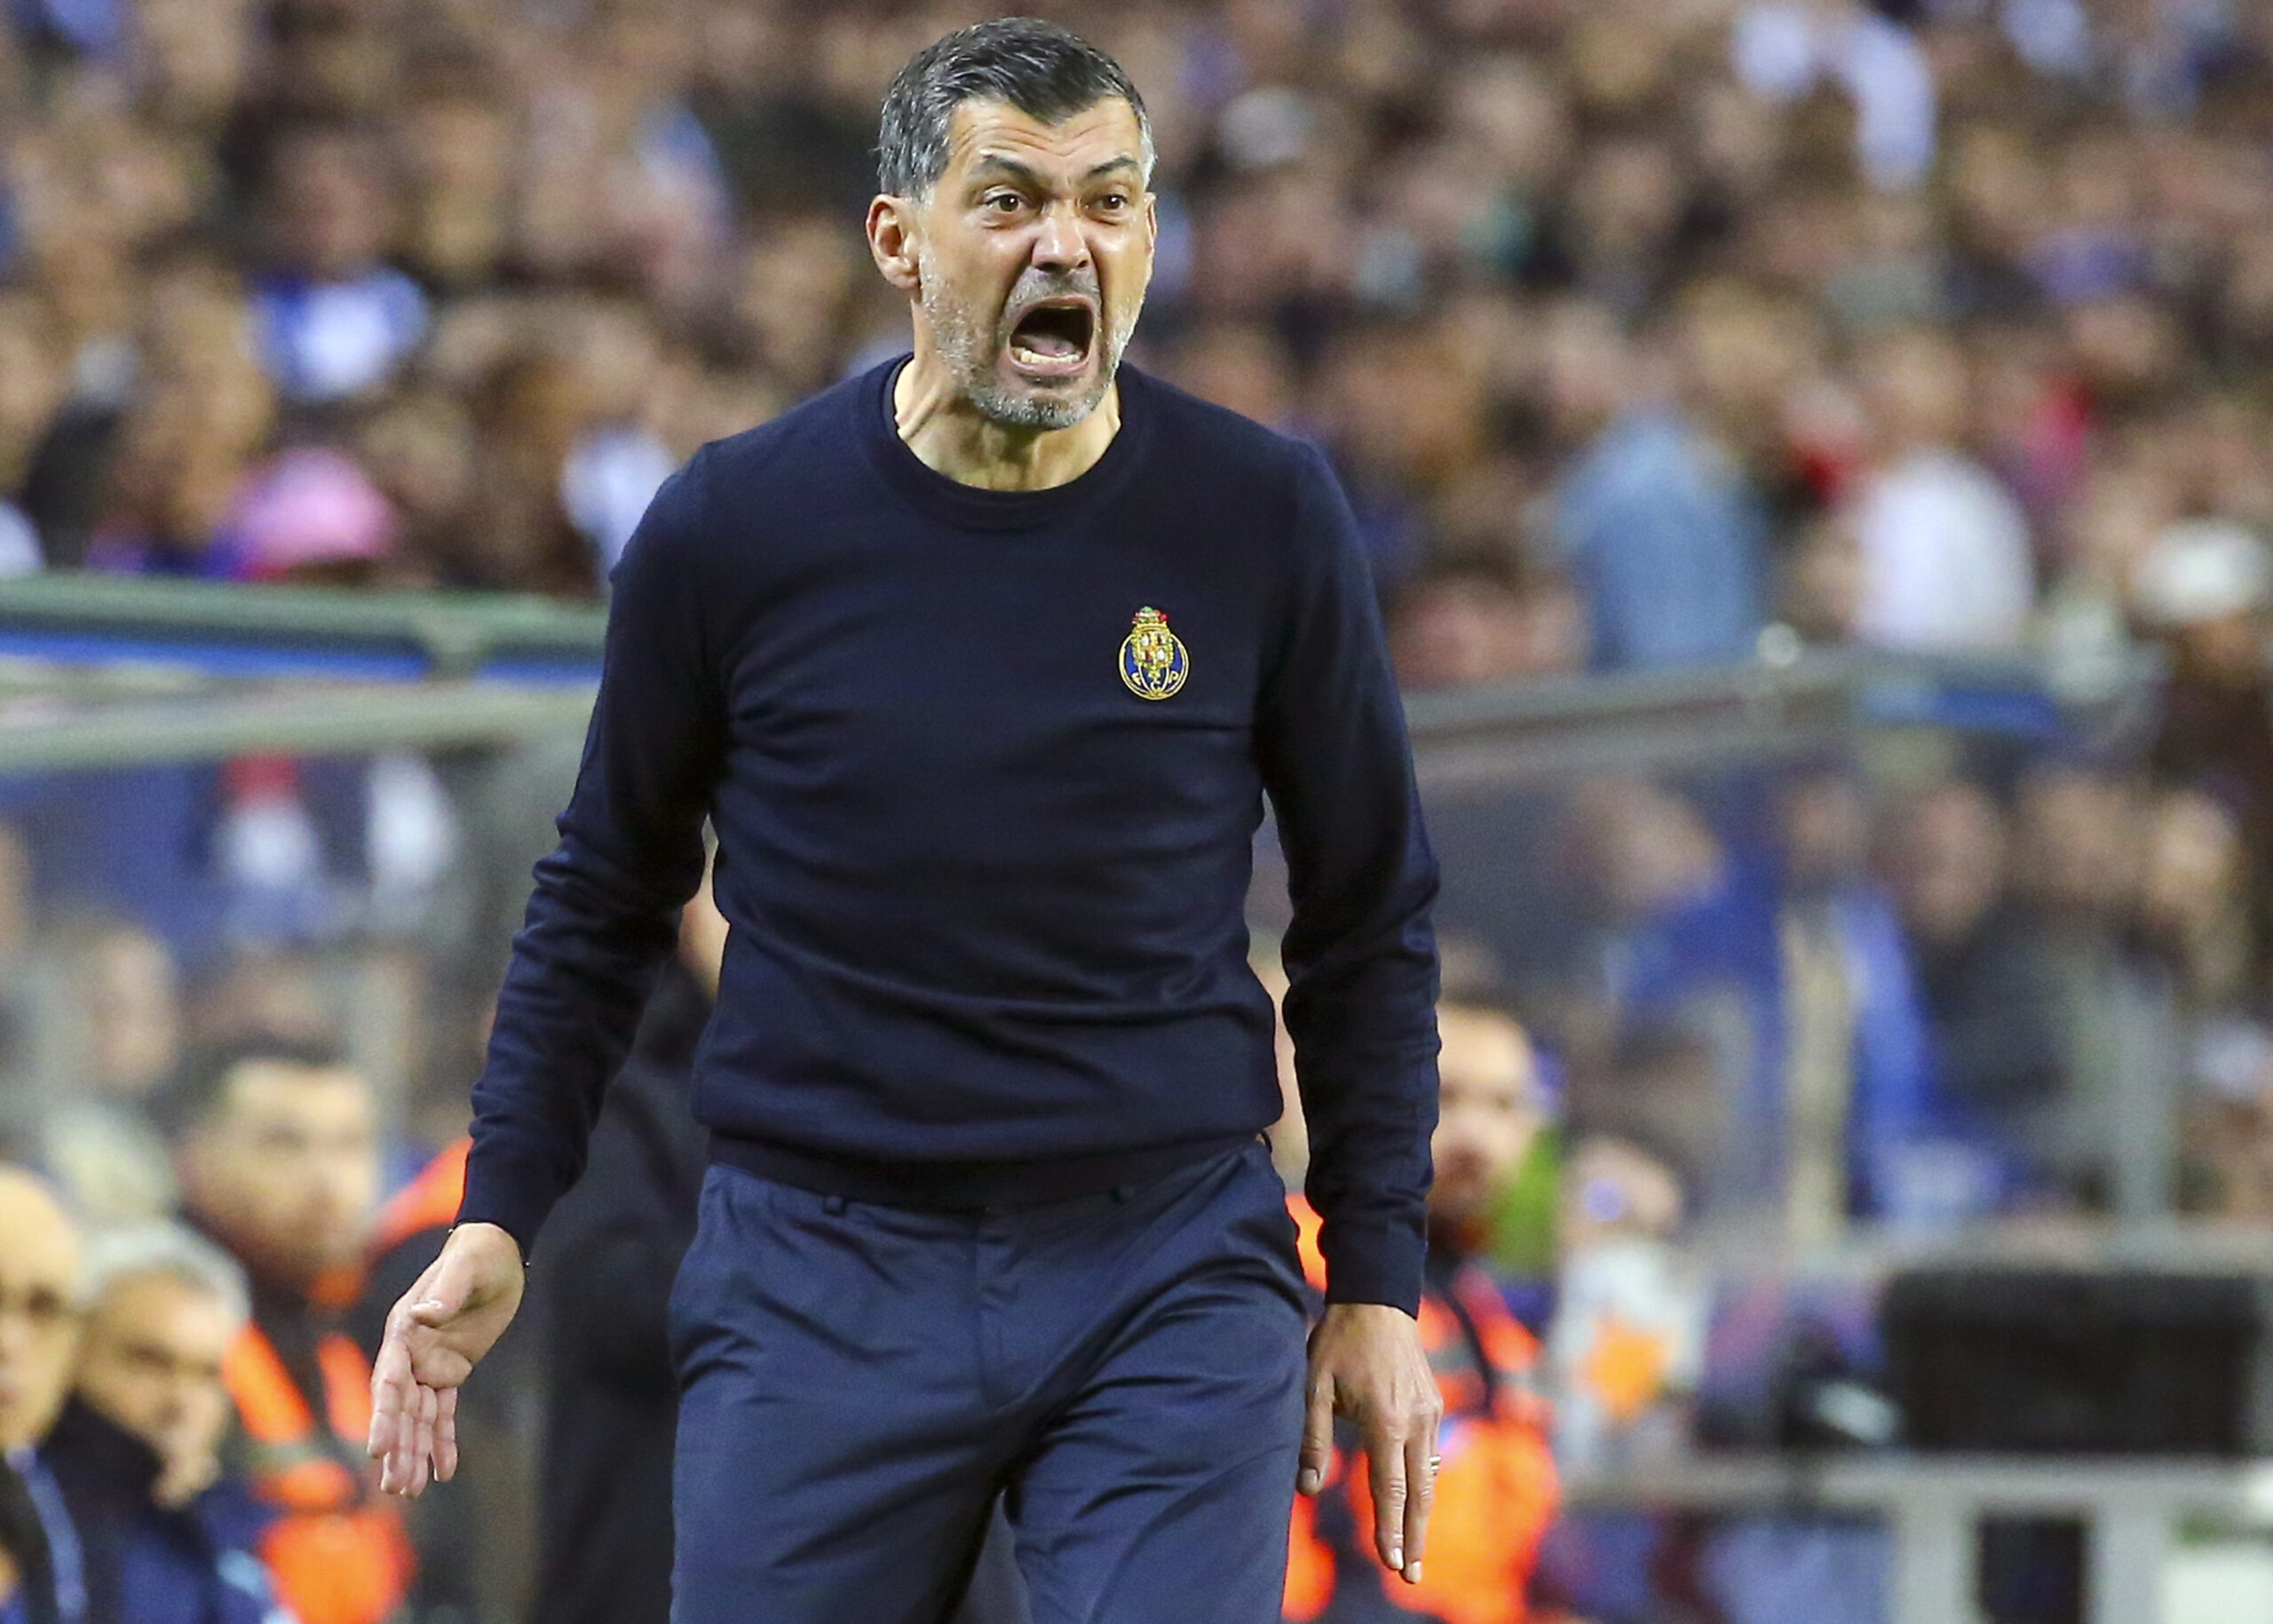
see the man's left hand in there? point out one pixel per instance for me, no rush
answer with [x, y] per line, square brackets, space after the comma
[1368, 1367]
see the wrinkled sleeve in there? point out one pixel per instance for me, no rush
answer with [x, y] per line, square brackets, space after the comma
[605, 911]
[1360, 955]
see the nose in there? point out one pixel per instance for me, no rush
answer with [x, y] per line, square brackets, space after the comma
[1058, 244]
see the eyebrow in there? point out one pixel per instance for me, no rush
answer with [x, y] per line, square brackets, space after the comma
[997, 164]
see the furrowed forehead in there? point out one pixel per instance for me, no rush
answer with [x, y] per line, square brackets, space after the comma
[989, 136]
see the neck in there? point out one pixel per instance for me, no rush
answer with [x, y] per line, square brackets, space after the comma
[951, 436]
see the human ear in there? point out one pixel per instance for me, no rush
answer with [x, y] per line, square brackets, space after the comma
[893, 236]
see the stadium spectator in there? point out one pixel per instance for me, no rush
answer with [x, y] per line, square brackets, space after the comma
[1991, 1000]
[110, 1033]
[1944, 547]
[336, 320]
[1663, 516]
[42, 1573]
[1497, 1490]
[278, 1151]
[2079, 853]
[162, 1312]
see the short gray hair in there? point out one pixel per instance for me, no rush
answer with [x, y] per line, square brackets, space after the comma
[168, 1250]
[1045, 71]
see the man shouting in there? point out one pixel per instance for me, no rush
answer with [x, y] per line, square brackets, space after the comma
[981, 665]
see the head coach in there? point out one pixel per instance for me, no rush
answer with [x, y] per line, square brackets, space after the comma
[981, 665]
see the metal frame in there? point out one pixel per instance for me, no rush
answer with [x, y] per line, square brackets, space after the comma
[2132, 1511]
[101, 670]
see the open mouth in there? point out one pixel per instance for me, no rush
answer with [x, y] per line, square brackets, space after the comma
[1053, 338]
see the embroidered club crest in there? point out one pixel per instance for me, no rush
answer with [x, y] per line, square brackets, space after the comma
[1152, 661]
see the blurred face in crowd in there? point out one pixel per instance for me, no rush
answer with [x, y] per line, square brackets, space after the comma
[1488, 1110]
[2079, 848]
[330, 215]
[1454, 630]
[1611, 1190]
[2193, 868]
[192, 54]
[1914, 387]
[151, 1361]
[39, 1319]
[1738, 354]
[284, 1167]
[133, 1011]
[1948, 862]
[1825, 827]
[32, 384]
[1644, 847]
[796, 288]
[1029, 260]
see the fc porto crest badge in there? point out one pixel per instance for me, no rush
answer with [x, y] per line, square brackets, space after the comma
[1153, 659]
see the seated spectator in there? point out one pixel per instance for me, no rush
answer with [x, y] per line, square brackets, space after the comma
[2077, 868]
[163, 1309]
[2194, 891]
[1991, 1003]
[1663, 517]
[1943, 545]
[42, 1574]
[336, 321]
[111, 1033]
[278, 1151]
[1477, 618]
[1496, 1488]
[2203, 591]
[1789, 966]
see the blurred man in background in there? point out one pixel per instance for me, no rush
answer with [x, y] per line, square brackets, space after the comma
[43, 1570]
[142, 1444]
[277, 1146]
[1496, 1491]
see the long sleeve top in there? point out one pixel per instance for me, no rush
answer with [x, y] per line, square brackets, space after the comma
[986, 769]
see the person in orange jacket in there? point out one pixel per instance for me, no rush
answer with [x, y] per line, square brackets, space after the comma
[277, 1146]
[1496, 1489]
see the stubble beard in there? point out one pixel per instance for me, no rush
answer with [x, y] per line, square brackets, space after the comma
[970, 353]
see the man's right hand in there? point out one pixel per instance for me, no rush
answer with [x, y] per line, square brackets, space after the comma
[435, 1335]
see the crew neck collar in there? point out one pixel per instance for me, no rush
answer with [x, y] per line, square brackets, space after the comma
[971, 507]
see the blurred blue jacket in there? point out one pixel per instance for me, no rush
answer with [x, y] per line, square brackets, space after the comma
[1898, 1132]
[1667, 538]
[144, 1564]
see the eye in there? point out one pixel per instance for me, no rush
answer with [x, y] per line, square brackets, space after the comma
[1113, 202]
[1002, 203]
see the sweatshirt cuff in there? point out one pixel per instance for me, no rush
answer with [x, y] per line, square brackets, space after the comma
[515, 1199]
[1375, 1266]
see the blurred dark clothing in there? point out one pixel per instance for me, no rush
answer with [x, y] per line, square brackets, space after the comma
[602, 1284]
[603, 1281]
[1994, 1013]
[2219, 740]
[142, 1563]
[23, 1536]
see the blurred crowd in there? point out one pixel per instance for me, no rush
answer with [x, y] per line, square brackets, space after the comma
[1644, 333]
[1635, 328]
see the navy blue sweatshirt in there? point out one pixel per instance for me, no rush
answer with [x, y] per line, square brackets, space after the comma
[984, 839]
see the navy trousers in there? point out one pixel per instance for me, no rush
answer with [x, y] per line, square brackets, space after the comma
[860, 1381]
